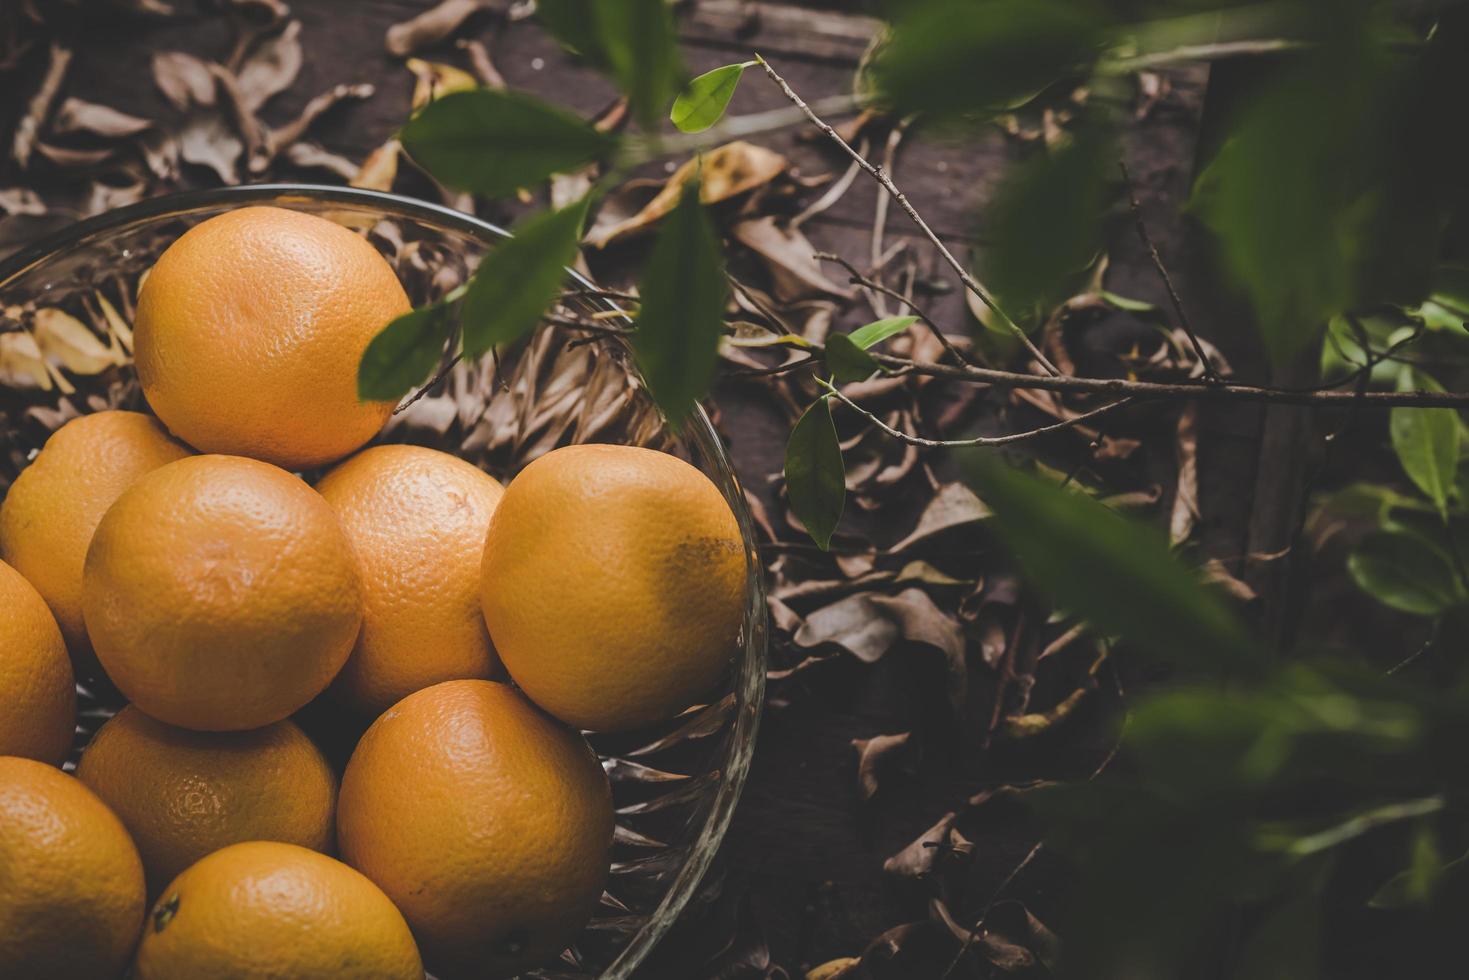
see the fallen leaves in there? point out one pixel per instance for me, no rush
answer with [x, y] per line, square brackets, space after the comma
[724, 172]
[877, 756]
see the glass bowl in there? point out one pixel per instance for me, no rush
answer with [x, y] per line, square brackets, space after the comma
[675, 785]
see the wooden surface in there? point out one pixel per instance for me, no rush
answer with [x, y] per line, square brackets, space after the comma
[802, 865]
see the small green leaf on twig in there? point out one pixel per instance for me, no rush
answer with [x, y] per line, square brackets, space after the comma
[1426, 441]
[848, 362]
[816, 480]
[682, 314]
[703, 100]
[493, 142]
[879, 330]
[518, 280]
[403, 353]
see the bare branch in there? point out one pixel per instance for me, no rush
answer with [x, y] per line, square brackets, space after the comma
[1152, 250]
[887, 184]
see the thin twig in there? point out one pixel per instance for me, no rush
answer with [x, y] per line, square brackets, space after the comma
[440, 376]
[1152, 250]
[977, 440]
[858, 279]
[974, 930]
[880, 212]
[887, 184]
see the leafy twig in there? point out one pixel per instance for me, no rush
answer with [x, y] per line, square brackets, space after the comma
[887, 184]
[866, 282]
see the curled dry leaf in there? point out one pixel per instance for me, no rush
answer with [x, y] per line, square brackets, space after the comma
[1186, 492]
[28, 130]
[727, 171]
[67, 341]
[789, 255]
[955, 505]
[183, 79]
[839, 969]
[21, 200]
[867, 624]
[919, 857]
[434, 81]
[21, 363]
[877, 756]
[208, 141]
[104, 196]
[429, 27]
[80, 116]
[294, 130]
[1214, 573]
[73, 159]
[380, 169]
[271, 67]
[315, 156]
[479, 59]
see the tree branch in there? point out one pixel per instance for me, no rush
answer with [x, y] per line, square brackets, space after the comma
[887, 184]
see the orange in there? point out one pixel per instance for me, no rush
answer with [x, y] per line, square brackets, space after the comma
[38, 700]
[186, 794]
[488, 824]
[220, 593]
[249, 331]
[613, 584]
[54, 505]
[263, 910]
[416, 518]
[71, 884]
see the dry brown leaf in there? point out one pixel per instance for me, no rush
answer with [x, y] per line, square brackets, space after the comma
[70, 158]
[851, 623]
[380, 168]
[434, 81]
[28, 129]
[21, 363]
[80, 116]
[21, 200]
[726, 171]
[431, 26]
[208, 141]
[877, 755]
[63, 338]
[790, 258]
[1186, 493]
[183, 79]
[315, 156]
[1214, 573]
[104, 196]
[116, 325]
[271, 67]
[834, 969]
[160, 152]
[919, 857]
[955, 505]
[479, 59]
[294, 130]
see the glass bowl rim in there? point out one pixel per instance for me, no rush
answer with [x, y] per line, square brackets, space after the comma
[746, 718]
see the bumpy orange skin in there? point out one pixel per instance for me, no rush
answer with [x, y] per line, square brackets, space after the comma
[264, 911]
[71, 884]
[185, 794]
[48, 517]
[38, 701]
[488, 823]
[221, 594]
[416, 518]
[613, 584]
[249, 331]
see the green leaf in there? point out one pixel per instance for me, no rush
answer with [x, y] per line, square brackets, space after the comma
[1406, 572]
[1427, 442]
[520, 278]
[682, 312]
[1286, 945]
[848, 362]
[574, 24]
[948, 56]
[1316, 196]
[816, 480]
[703, 100]
[493, 142]
[1117, 574]
[1045, 225]
[403, 353]
[879, 330]
[642, 51]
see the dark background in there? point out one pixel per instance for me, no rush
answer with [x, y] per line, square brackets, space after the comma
[800, 878]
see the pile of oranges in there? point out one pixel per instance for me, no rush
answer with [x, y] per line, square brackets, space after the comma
[204, 834]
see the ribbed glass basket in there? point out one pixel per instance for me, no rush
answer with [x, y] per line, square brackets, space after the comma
[676, 784]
